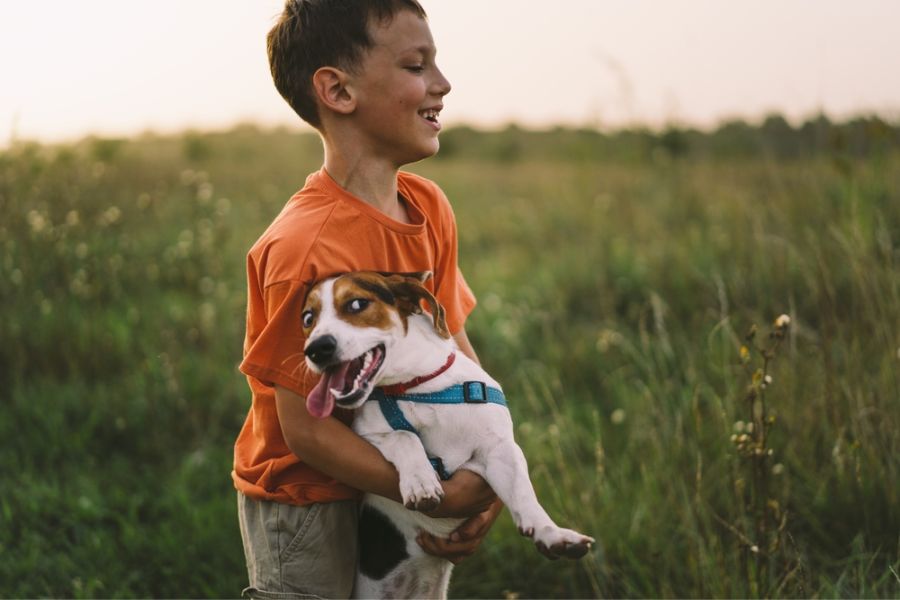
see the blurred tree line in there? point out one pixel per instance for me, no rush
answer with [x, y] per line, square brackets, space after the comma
[859, 137]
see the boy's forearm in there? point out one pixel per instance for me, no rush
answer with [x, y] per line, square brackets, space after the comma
[465, 346]
[334, 449]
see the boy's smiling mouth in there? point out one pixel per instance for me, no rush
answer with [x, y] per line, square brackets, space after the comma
[431, 115]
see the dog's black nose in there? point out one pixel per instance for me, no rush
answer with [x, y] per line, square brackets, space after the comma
[321, 350]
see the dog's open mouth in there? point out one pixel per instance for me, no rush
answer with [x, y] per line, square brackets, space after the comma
[348, 383]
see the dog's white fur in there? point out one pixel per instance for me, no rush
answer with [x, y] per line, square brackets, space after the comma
[477, 437]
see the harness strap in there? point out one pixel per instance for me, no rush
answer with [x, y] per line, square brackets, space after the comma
[470, 392]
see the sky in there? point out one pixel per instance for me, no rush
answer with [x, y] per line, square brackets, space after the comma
[117, 68]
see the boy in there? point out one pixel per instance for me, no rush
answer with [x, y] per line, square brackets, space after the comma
[363, 73]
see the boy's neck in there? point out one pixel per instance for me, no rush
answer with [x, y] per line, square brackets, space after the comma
[372, 181]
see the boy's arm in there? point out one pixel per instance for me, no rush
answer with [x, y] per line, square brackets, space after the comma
[334, 449]
[463, 343]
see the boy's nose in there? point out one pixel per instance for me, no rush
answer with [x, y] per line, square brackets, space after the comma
[321, 350]
[442, 85]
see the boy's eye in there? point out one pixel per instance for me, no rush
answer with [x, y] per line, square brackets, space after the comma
[416, 68]
[357, 305]
[308, 319]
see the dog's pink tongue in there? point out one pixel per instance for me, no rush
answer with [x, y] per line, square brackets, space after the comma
[320, 401]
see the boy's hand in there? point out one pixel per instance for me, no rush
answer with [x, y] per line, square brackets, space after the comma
[465, 540]
[465, 495]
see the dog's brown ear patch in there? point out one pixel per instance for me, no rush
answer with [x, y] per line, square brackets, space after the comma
[363, 301]
[409, 292]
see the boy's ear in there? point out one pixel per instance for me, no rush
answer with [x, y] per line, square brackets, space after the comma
[330, 86]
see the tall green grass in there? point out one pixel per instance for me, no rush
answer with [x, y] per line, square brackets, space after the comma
[614, 299]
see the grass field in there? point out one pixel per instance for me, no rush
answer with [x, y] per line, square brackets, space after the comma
[614, 301]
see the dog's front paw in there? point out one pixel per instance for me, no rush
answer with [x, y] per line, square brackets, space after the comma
[421, 491]
[555, 542]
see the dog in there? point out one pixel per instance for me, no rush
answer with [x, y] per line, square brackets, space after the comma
[378, 352]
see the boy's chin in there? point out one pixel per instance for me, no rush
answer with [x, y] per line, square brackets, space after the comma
[420, 153]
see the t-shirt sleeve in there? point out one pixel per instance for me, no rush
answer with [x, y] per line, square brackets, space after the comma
[273, 351]
[451, 288]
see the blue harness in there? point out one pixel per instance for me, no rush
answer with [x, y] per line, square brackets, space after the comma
[470, 392]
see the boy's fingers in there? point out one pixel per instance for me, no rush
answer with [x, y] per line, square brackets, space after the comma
[455, 552]
[473, 528]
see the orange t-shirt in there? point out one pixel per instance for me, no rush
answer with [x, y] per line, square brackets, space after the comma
[322, 231]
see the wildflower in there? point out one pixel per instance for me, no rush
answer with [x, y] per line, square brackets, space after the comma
[778, 469]
[493, 302]
[782, 321]
[37, 221]
[745, 353]
[607, 339]
[739, 426]
[204, 191]
[223, 207]
[72, 218]
[617, 417]
[110, 215]
[754, 549]
[757, 376]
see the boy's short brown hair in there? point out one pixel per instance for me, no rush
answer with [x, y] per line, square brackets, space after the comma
[311, 34]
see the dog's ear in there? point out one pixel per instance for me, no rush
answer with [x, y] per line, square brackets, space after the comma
[420, 276]
[409, 292]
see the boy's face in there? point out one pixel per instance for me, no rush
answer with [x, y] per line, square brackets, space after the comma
[399, 91]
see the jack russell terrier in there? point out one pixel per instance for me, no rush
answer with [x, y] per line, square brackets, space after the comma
[430, 410]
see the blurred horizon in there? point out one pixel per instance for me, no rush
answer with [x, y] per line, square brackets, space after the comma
[81, 69]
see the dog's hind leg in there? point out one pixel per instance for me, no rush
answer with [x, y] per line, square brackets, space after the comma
[506, 471]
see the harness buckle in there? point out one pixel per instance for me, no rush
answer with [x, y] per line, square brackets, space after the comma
[475, 392]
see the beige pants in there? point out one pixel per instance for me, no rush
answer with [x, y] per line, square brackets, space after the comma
[299, 551]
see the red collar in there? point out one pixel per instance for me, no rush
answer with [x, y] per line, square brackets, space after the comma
[400, 388]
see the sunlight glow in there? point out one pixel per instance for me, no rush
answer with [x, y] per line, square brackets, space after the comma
[118, 68]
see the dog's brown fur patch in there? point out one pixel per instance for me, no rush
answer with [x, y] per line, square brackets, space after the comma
[361, 286]
[313, 304]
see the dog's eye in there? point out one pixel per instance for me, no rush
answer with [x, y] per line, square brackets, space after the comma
[308, 319]
[357, 305]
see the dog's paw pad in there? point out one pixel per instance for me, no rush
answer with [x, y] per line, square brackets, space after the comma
[555, 542]
[425, 504]
[421, 492]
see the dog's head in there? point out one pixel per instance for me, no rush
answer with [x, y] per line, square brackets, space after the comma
[351, 323]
